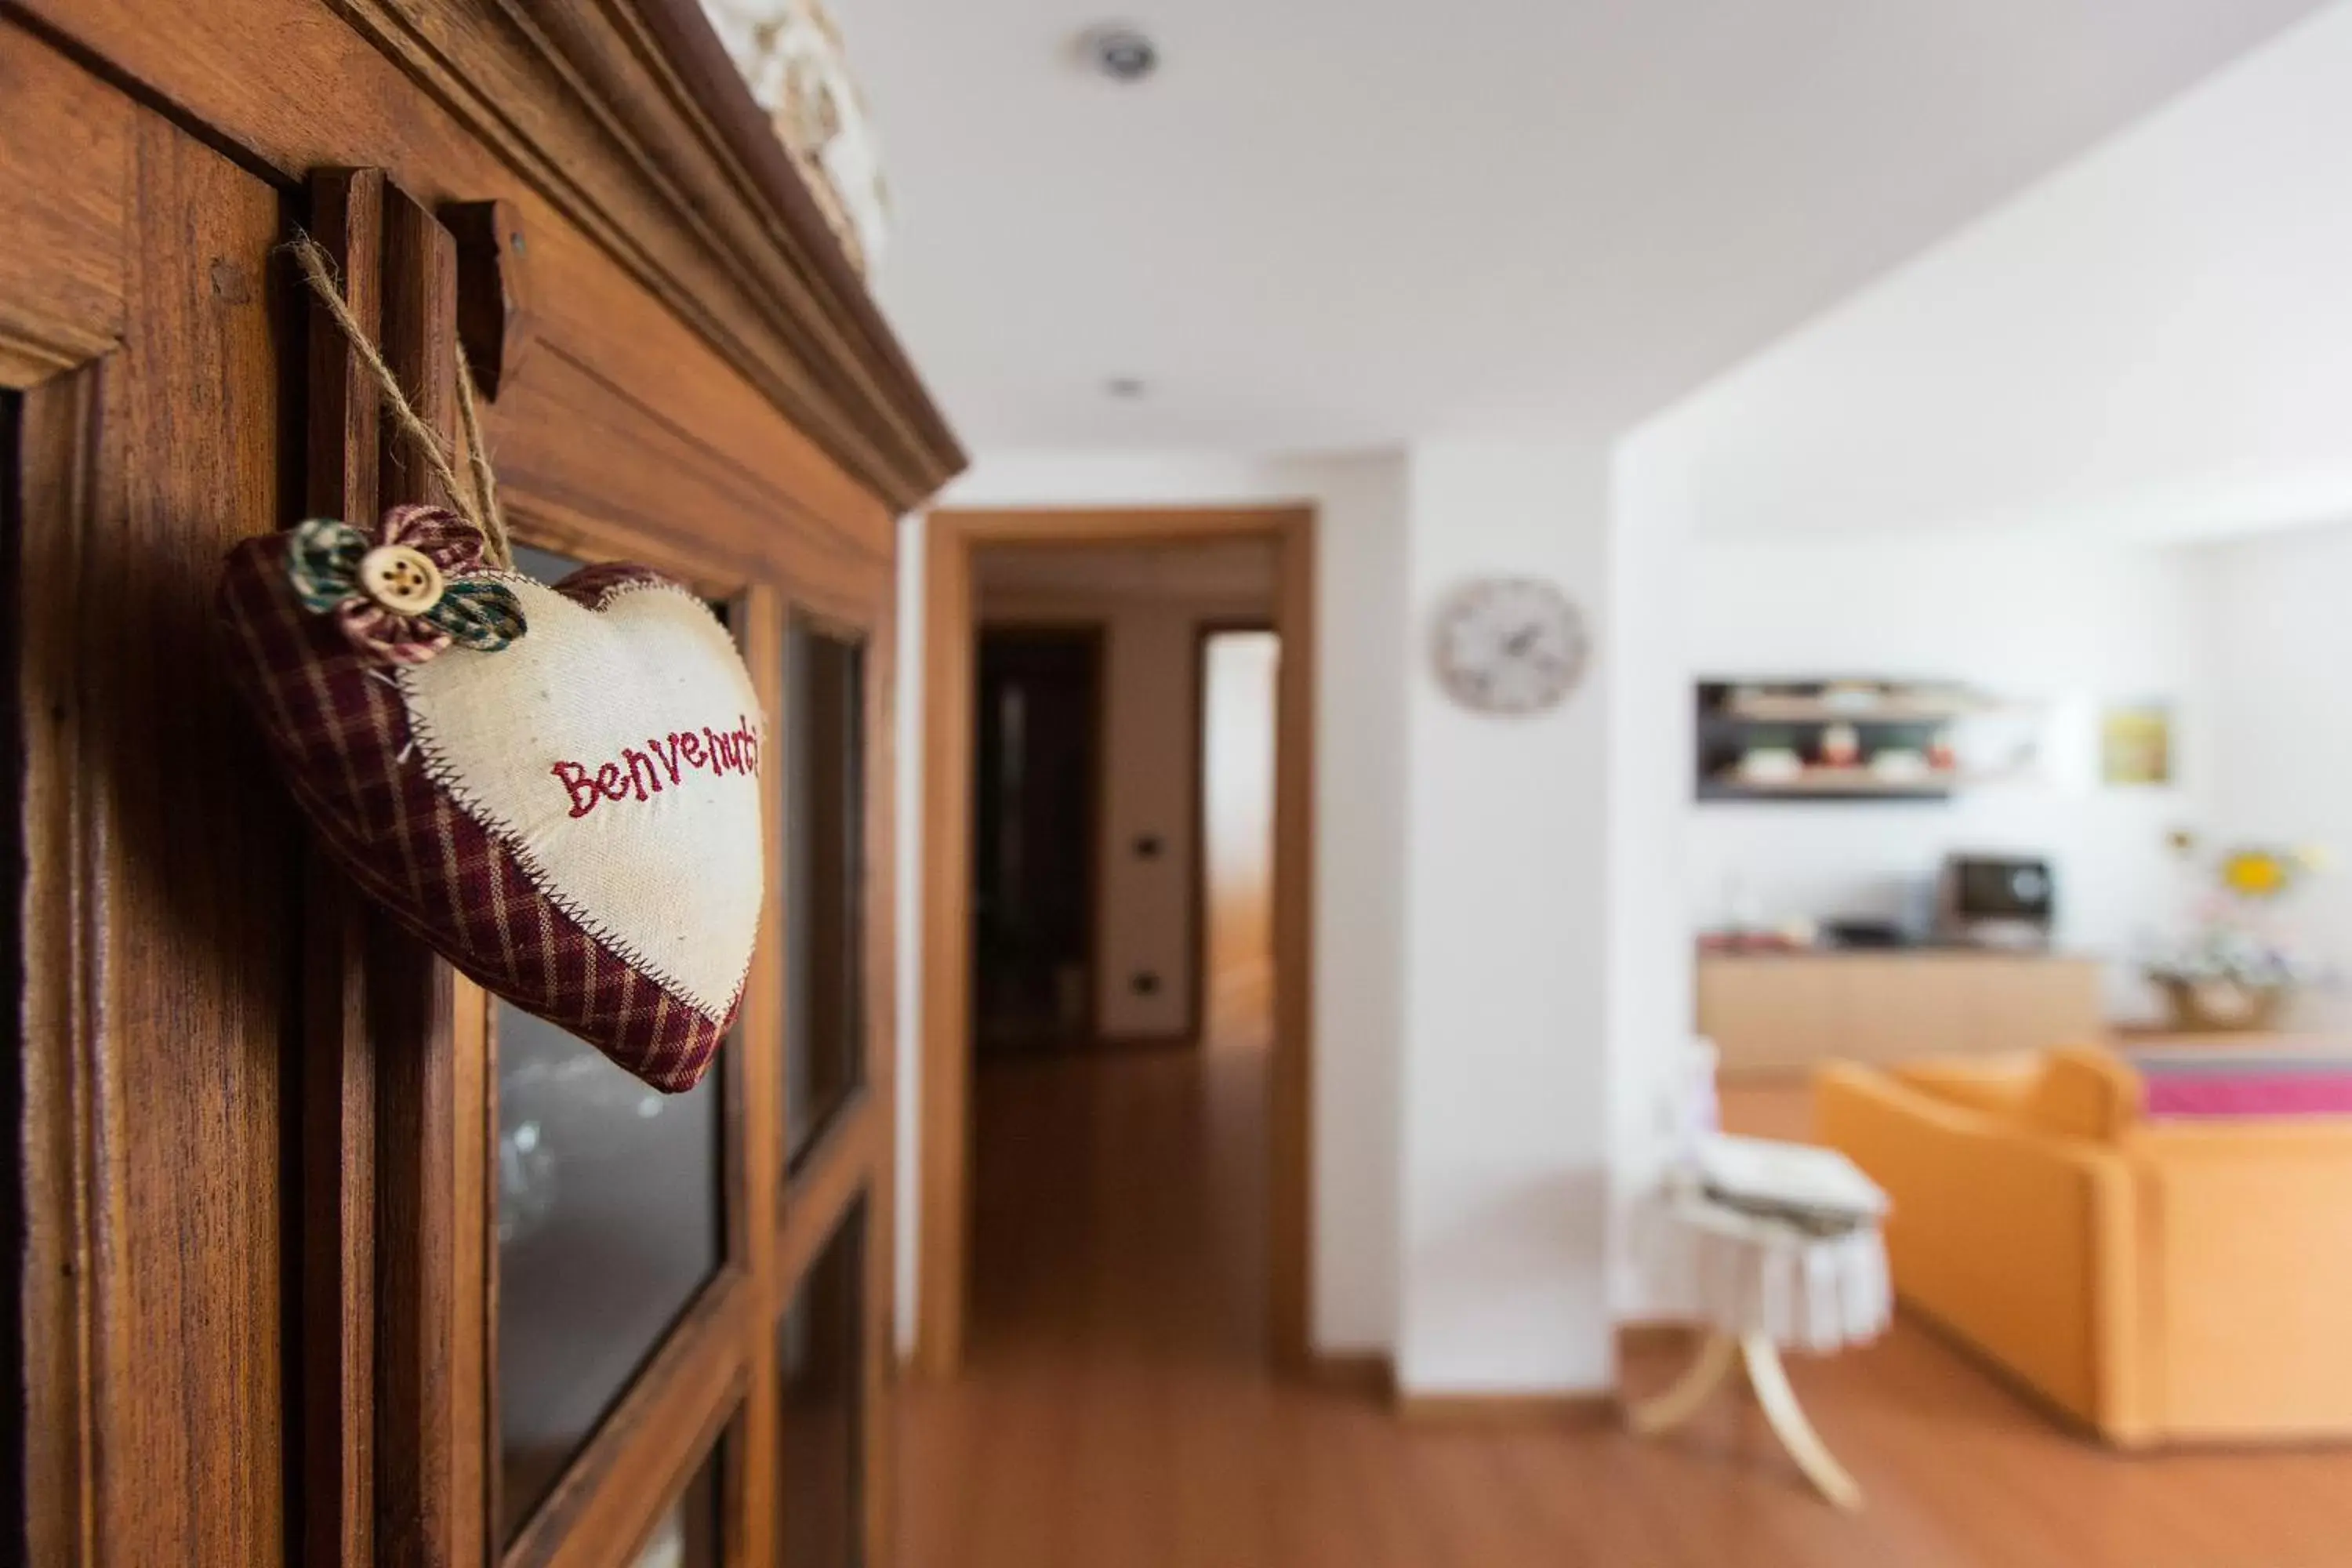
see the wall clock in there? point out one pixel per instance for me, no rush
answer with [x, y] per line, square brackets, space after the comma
[1509, 645]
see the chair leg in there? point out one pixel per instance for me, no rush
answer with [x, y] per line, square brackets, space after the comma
[1691, 1390]
[1771, 1381]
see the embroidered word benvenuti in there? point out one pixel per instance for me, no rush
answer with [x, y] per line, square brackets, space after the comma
[662, 764]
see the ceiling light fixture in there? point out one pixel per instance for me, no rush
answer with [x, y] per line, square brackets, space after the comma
[1119, 52]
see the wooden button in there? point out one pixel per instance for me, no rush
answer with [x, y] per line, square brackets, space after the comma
[401, 579]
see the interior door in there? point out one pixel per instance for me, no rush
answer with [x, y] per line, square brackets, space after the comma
[142, 394]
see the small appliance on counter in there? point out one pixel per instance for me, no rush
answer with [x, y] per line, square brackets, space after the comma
[1866, 933]
[1996, 901]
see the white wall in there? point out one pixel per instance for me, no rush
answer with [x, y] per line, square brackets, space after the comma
[2282, 730]
[1651, 999]
[2067, 625]
[1151, 650]
[2156, 341]
[1506, 1080]
[1360, 658]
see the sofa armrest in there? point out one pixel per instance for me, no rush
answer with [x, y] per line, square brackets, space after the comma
[2019, 1243]
[2247, 1276]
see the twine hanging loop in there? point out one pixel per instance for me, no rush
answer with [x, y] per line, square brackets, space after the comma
[475, 497]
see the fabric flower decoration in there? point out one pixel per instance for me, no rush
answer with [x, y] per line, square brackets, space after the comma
[408, 590]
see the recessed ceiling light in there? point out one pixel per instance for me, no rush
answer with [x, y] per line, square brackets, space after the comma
[1119, 51]
[1126, 386]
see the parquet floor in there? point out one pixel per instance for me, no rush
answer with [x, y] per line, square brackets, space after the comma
[1114, 1414]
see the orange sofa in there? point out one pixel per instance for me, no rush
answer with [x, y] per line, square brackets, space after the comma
[2161, 1283]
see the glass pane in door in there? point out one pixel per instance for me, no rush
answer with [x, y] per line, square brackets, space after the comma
[820, 1346]
[825, 866]
[610, 1219]
[688, 1534]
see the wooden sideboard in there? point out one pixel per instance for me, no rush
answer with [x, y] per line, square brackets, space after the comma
[1782, 1011]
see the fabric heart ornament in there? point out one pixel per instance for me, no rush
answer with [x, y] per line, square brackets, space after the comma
[557, 788]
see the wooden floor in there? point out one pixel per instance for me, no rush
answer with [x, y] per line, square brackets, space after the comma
[1115, 1413]
[1781, 1106]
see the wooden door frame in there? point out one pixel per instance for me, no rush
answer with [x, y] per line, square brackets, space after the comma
[944, 1130]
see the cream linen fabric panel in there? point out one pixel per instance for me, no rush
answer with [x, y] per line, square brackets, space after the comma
[619, 751]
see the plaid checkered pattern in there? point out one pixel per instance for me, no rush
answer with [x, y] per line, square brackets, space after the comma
[337, 724]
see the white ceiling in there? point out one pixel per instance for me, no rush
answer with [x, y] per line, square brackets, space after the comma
[1329, 225]
[2154, 345]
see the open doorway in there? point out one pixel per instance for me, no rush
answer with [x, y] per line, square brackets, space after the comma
[1036, 776]
[1239, 677]
[1073, 1124]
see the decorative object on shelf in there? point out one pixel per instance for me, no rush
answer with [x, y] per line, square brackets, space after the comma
[1770, 765]
[555, 788]
[2235, 968]
[2135, 743]
[1901, 764]
[1509, 645]
[1841, 746]
[791, 56]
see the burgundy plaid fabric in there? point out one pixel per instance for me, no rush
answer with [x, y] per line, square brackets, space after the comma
[339, 731]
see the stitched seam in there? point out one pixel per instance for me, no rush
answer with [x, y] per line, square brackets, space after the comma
[439, 769]
[652, 581]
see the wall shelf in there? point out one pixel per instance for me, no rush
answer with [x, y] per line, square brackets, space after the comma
[1826, 784]
[1792, 710]
[1739, 719]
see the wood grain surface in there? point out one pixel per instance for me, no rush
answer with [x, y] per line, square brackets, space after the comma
[604, 123]
[1115, 1410]
[158, 910]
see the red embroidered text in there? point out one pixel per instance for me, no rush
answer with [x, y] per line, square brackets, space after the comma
[661, 765]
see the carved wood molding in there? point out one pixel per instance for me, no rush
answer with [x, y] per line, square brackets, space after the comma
[628, 117]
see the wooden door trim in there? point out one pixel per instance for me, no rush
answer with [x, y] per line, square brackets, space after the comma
[60, 1417]
[944, 1132]
[655, 1436]
[157, 1041]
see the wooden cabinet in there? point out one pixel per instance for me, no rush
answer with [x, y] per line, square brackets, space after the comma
[324, 1255]
[1778, 1012]
[1757, 1012]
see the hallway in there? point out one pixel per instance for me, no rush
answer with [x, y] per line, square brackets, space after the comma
[1115, 1413]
